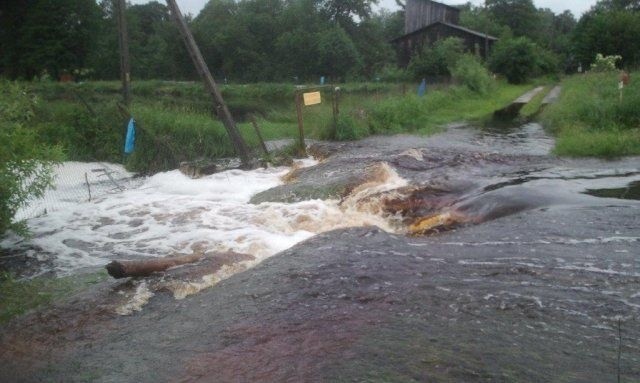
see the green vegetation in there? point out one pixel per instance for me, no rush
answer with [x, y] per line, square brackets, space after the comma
[290, 40]
[83, 122]
[591, 120]
[175, 122]
[25, 161]
[285, 41]
[520, 59]
[242, 41]
[533, 108]
[20, 296]
[470, 72]
[611, 28]
[605, 64]
[437, 60]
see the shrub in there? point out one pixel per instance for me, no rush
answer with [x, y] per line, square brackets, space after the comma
[471, 73]
[519, 59]
[398, 114]
[392, 73]
[346, 128]
[165, 138]
[436, 60]
[25, 163]
[605, 63]
[83, 135]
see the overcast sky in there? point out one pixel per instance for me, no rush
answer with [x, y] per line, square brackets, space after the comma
[575, 6]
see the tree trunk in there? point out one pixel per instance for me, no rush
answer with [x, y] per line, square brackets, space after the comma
[143, 268]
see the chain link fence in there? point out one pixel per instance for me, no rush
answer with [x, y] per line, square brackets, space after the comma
[78, 182]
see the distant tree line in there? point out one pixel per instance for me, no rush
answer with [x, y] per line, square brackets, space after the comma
[296, 40]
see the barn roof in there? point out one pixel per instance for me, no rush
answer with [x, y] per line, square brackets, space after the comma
[448, 25]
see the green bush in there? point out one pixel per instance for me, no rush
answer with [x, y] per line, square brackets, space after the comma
[437, 60]
[605, 64]
[469, 72]
[84, 135]
[520, 59]
[25, 163]
[392, 73]
[346, 129]
[398, 114]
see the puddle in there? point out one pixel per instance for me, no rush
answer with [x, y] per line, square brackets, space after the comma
[631, 192]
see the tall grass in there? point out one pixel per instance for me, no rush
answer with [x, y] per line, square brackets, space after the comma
[590, 119]
[166, 137]
[175, 118]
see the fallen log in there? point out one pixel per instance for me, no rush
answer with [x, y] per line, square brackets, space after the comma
[124, 269]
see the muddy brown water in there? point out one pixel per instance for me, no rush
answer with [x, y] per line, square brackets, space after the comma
[524, 270]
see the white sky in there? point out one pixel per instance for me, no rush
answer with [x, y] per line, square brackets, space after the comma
[576, 6]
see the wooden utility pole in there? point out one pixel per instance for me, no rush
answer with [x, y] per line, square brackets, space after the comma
[220, 107]
[302, 145]
[123, 42]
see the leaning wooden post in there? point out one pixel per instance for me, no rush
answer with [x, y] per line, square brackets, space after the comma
[123, 43]
[220, 106]
[257, 129]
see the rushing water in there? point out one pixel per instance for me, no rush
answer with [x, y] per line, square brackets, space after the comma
[170, 213]
[478, 175]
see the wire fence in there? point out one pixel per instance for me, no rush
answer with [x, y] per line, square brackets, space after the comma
[78, 182]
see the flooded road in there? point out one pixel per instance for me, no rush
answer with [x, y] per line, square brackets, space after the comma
[489, 259]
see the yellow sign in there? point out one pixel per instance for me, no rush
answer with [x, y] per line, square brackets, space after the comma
[312, 98]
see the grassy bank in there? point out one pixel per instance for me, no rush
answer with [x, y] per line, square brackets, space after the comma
[20, 296]
[175, 117]
[589, 119]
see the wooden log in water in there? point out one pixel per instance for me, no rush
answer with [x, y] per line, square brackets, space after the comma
[143, 268]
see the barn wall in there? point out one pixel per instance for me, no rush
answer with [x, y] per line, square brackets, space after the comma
[420, 13]
[409, 45]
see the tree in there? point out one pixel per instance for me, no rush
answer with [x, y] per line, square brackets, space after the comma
[437, 60]
[479, 19]
[343, 12]
[609, 32]
[239, 39]
[520, 16]
[617, 5]
[338, 53]
[297, 47]
[373, 44]
[55, 36]
[155, 43]
[519, 59]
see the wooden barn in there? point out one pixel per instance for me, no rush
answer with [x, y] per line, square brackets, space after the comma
[427, 21]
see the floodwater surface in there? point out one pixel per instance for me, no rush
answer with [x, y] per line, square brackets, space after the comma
[473, 255]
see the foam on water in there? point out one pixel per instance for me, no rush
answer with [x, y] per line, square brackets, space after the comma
[171, 213]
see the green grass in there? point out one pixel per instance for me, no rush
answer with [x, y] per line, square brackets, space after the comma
[589, 119]
[176, 125]
[532, 108]
[19, 296]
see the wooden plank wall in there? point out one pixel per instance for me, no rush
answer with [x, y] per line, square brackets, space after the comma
[420, 13]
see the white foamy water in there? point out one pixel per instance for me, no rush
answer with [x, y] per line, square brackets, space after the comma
[170, 213]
